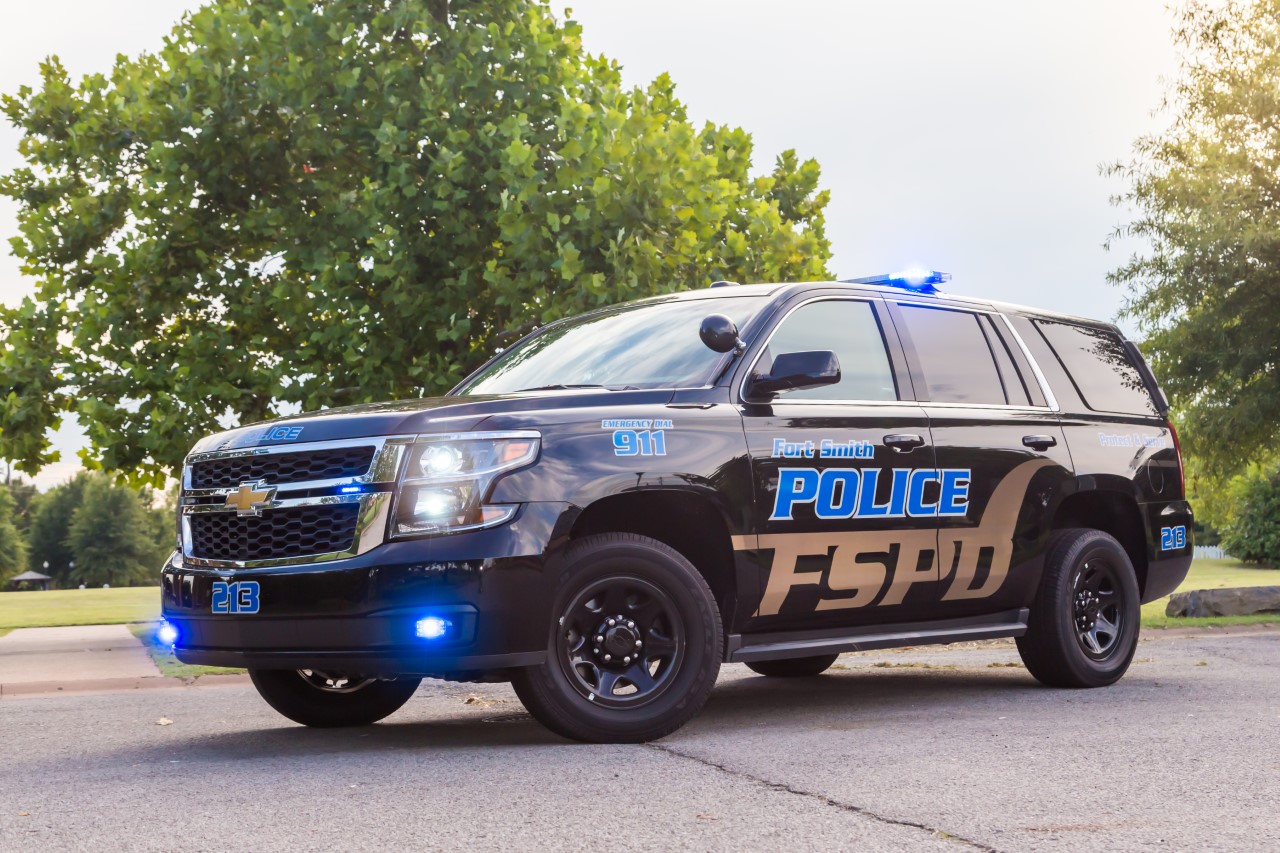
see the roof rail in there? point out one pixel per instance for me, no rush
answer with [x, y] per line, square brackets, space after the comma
[724, 284]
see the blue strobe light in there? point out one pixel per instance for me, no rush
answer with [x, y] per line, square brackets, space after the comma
[166, 634]
[913, 278]
[432, 627]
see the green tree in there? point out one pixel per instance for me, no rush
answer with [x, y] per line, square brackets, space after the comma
[50, 528]
[1206, 197]
[110, 536]
[13, 550]
[1252, 532]
[307, 204]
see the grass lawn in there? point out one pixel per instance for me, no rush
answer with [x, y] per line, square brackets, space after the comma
[79, 607]
[163, 655]
[1215, 574]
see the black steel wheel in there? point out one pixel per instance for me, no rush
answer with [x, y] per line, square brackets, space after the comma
[322, 699]
[621, 642]
[793, 667]
[635, 643]
[1083, 629]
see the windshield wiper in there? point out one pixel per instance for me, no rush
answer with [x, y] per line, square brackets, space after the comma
[557, 388]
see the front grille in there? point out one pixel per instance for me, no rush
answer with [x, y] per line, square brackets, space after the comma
[276, 534]
[280, 469]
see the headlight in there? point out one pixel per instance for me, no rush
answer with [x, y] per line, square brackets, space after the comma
[448, 478]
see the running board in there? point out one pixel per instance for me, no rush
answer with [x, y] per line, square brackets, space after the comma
[795, 644]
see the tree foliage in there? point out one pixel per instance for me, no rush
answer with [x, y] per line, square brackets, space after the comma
[299, 203]
[1252, 531]
[13, 550]
[111, 537]
[47, 537]
[1206, 193]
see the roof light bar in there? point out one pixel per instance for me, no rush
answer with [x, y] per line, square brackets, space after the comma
[914, 278]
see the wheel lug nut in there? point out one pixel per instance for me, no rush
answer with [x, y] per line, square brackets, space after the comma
[597, 650]
[631, 624]
[608, 657]
[613, 622]
[599, 638]
[627, 659]
[638, 644]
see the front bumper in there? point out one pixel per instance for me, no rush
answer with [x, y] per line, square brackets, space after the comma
[358, 615]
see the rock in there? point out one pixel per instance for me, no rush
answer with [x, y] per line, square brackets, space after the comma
[1225, 602]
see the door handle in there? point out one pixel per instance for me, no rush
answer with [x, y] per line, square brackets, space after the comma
[1039, 442]
[904, 442]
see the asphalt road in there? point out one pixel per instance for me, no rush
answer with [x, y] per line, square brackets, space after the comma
[939, 749]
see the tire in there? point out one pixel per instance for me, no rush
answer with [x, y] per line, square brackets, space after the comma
[793, 667]
[322, 700]
[617, 591]
[1089, 589]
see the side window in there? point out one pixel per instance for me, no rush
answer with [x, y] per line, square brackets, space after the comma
[1015, 387]
[956, 356]
[1100, 369]
[850, 330]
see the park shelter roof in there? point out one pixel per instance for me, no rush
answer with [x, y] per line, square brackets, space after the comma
[31, 576]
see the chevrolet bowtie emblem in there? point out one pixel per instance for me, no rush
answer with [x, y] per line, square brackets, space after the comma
[250, 498]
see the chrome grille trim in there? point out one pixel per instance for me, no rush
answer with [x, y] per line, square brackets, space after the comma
[375, 506]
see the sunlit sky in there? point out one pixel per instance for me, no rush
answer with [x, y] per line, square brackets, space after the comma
[964, 137]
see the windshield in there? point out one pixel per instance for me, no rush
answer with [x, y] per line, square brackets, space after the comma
[651, 345]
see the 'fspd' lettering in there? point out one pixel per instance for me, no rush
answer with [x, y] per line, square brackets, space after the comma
[838, 493]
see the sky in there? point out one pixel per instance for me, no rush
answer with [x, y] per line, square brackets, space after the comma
[964, 137]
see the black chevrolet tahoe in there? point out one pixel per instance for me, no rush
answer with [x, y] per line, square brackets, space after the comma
[619, 502]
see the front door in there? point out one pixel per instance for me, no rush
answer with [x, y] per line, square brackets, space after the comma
[846, 491]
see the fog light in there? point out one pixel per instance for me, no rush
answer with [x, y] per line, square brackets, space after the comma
[432, 627]
[166, 634]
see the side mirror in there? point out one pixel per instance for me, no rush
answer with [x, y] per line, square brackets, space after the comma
[795, 370]
[719, 333]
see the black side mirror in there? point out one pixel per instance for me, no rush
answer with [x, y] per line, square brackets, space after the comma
[719, 333]
[794, 370]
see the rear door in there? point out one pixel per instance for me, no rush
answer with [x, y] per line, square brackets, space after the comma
[838, 540]
[997, 436]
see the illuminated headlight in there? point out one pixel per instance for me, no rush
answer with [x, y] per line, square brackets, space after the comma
[449, 478]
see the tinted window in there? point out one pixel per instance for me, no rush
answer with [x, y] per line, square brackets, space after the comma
[646, 345]
[1015, 388]
[851, 331]
[1099, 367]
[955, 356]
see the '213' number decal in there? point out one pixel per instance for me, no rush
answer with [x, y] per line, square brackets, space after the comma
[237, 597]
[1173, 538]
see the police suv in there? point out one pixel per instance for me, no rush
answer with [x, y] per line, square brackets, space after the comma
[620, 502]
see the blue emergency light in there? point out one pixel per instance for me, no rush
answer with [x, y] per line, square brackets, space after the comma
[914, 278]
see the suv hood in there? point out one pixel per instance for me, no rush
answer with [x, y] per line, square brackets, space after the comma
[412, 417]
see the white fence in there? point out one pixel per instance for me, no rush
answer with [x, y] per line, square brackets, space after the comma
[1210, 552]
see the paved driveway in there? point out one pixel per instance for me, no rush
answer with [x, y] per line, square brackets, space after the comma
[915, 750]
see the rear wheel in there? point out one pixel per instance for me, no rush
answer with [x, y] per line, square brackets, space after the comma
[634, 647]
[330, 700]
[793, 667]
[1083, 629]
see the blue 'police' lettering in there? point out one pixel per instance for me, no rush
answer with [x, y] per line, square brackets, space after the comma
[838, 493]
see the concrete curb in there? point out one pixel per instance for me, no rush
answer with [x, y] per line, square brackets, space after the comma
[19, 690]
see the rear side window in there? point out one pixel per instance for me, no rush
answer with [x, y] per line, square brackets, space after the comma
[957, 357]
[1100, 369]
[851, 331]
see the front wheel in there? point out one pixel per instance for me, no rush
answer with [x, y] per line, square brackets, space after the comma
[331, 700]
[1083, 629]
[634, 647]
